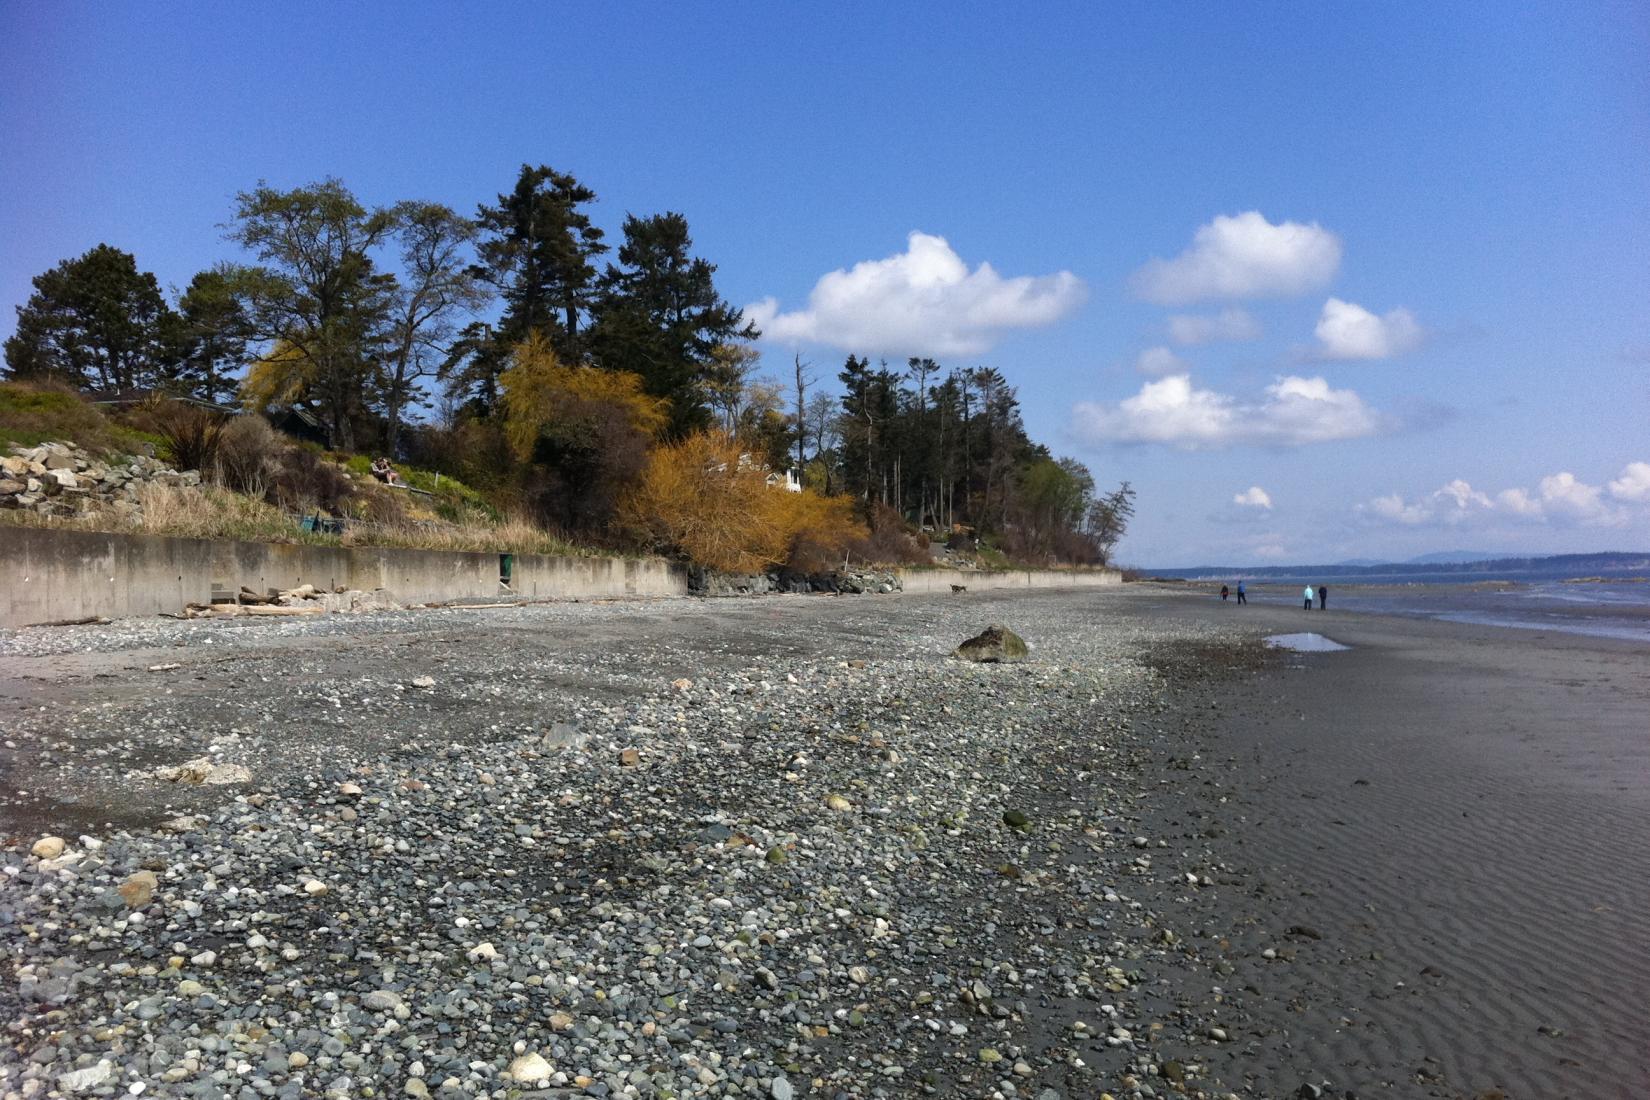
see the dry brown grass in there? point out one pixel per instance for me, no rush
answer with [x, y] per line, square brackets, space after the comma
[191, 513]
[209, 512]
[508, 536]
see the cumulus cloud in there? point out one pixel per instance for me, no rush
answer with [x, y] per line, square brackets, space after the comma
[1560, 499]
[1229, 324]
[1634, 483]
[1243, 256]
[1291, 412]
[1159, 361]
[1253, 497]
[1347, 330]
[1563, 496]
[923, 301]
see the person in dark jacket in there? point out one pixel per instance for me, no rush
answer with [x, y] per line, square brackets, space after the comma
[1323, 597]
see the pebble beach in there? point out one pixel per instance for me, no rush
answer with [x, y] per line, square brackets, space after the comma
[772, 847]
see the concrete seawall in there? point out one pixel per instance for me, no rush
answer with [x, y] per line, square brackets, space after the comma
[981, 580]
[51, 575]
[55, 575]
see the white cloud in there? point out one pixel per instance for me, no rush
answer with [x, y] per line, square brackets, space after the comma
[1633, 484]
[1228, 324]
[1563, 496]
[1349, 331]
[1253, 497]
[923, 301]
[1293, 411]
[1560, 499]
[1394, 509]
[1243, 256]
[1159, 361]
[1518, 502]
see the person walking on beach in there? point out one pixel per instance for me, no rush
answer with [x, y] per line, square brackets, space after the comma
[1309, 597]
[1223, 593]
[1241, 598]
[1323, 597]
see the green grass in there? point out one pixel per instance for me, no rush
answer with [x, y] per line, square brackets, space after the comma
[455, 501]
[31, 415]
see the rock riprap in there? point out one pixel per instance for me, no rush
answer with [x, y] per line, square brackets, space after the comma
[60, 479]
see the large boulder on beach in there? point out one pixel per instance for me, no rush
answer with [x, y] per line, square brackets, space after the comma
[995, 645]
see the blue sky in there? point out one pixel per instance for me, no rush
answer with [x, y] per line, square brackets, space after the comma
[1412, 239]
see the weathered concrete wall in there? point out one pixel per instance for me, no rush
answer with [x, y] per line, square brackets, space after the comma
[52, 575]
[980, 580]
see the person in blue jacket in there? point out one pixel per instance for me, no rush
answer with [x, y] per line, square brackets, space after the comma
[1241, 598]
[1309, 597]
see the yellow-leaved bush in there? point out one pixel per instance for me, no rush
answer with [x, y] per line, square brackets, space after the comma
[539, 388]
[706, 498]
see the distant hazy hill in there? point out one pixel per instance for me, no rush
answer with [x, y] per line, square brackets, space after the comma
[1454, 557]
[1556, 566]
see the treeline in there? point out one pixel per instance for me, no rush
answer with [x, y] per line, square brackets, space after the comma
[522, 350]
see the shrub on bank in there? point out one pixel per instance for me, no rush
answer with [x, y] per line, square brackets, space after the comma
[707, 499]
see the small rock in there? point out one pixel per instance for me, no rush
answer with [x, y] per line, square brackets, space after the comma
[139, 889]
[838, 803]
[530, 1069]
[49, 847]
[85, 1080]
[382, 1000]
[629, 758]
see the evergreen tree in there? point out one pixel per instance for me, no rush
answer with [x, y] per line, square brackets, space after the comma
[661, 317]
[95, 321]
[212, 334]
[539, 249]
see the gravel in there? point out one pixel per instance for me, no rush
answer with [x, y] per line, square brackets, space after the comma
[769, 848]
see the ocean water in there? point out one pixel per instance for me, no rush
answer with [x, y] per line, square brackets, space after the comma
[1608, 609]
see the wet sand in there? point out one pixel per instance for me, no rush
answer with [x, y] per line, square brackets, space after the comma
[1455, 821]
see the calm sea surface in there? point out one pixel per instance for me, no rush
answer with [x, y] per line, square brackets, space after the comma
[1613, 608]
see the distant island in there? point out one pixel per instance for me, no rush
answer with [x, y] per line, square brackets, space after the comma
[1451, 564]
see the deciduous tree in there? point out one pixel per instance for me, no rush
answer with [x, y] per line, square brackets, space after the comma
[318, 290]
[437, 288]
